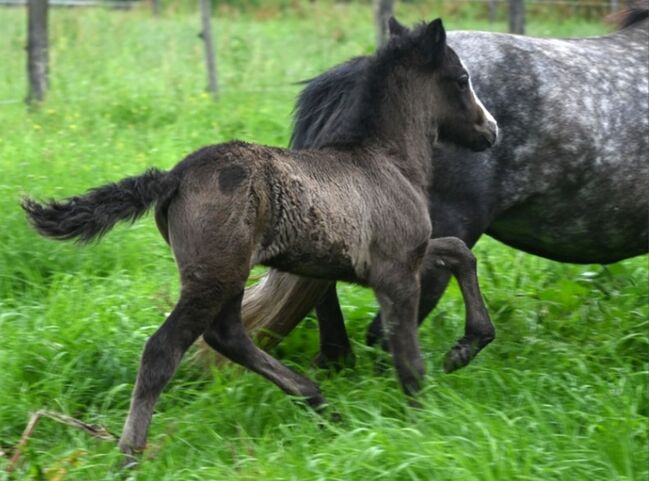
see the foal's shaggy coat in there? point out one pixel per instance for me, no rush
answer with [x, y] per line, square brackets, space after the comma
[355, 211]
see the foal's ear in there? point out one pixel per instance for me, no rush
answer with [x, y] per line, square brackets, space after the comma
[395, 28]
[434, 42]
[435, 32]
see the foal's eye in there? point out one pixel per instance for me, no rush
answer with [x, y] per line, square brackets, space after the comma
[463, 82]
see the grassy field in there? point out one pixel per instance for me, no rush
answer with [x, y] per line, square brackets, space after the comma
[560, 395]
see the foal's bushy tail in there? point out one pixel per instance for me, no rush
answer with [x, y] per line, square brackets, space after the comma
[91, 215]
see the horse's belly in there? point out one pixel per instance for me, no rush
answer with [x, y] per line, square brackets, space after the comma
[312, 254]
[574, 231]
[319, 266]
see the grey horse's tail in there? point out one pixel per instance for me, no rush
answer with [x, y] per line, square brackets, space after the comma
[91, 215]
[275, 305]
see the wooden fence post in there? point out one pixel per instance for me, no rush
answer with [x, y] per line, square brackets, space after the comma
[383, 10]
[517, 16]
[37, 50]
[210, 56]
[493, 8]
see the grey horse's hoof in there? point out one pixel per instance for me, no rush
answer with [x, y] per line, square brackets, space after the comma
[344, 360]
[461, 355]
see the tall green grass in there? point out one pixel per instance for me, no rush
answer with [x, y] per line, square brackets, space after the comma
[561, 393]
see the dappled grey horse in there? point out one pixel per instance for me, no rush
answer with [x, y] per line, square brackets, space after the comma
[568, 180]
[355, 210]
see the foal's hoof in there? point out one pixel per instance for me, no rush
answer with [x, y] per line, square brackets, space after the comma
[128, 462]
[324, 410]
[335, 362]
[130, 458]
[461, 355]
[330, 416]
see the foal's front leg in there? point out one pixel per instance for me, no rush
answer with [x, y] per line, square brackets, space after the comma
[398, 296]
[453, 254]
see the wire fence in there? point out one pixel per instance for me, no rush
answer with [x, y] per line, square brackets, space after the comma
[602, 7]
[78, 3]
[612, 5]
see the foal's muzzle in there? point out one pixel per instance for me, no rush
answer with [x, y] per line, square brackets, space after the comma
[488, 134]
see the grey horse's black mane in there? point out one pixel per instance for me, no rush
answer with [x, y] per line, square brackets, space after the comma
[340, 106]
[632, 15]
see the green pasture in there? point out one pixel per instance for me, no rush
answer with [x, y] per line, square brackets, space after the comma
[560, 395]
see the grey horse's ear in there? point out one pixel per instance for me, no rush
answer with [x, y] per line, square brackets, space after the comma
[395, 28]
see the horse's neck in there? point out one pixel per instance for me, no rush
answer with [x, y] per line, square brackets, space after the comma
[412, 157]
[409, 141]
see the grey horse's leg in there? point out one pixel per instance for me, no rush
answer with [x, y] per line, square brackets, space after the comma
[162, 354]
[453, 254]
[398, 296]
[335, 349]
[226, 334]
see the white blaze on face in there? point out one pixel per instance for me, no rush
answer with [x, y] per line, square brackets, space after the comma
[491, 122]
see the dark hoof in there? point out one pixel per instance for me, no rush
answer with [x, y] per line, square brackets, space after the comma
[333, 417]
[328, 418]
[317, 402]
[414, 403]
[128, 462]
[335, 362]
[461, 355]
[130, 457]
[324, 410]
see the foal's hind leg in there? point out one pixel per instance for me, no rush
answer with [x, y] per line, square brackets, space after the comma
[452, 253]
[162, 354]
[227, 335]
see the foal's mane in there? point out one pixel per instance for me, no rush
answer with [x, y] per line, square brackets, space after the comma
[632, 15]
[325, 104]
[341, 106]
